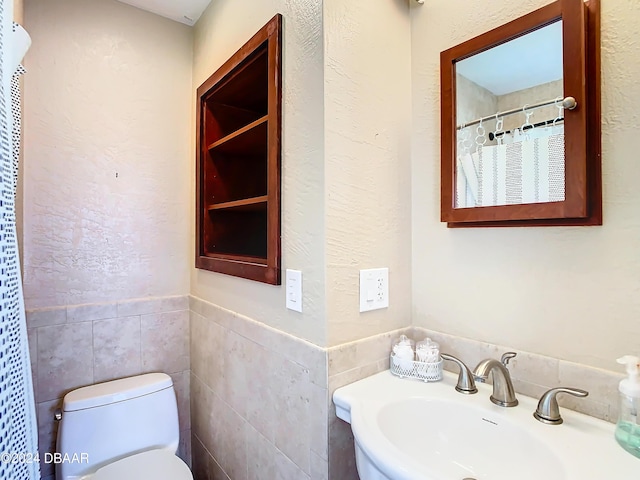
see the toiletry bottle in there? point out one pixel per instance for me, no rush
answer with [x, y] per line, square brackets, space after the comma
[403, 353]
[628, 427]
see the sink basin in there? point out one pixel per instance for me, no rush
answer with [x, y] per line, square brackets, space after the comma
[454, 439]
[410, 430]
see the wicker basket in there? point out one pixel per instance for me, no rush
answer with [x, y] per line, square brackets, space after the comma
[427, 372]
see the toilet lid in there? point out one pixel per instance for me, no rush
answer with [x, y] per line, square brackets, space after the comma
[157, 464]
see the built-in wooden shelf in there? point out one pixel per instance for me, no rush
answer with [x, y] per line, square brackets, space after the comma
[248, 141]
[251, 132]
[246, 204]
[241, 258]
[238, 161]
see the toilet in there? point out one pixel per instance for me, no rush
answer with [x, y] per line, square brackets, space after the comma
[125, 429]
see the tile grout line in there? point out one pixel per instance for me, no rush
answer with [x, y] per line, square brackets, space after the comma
[140, 345]
[93, 353]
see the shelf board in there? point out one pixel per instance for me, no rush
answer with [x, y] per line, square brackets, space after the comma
[235, 110]
[237, 133]
[245, 204]
[221, 120]
[229, 257]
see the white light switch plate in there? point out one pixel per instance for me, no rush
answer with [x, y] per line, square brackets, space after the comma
[374, 289]
[294, 290]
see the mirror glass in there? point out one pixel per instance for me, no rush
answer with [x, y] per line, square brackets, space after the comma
[509, 148]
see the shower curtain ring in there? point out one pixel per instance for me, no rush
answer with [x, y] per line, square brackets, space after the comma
[481, 138]
[499, 123]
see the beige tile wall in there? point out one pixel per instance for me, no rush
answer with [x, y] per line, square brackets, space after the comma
[254, 402]
[349, 363]
[80, 345]
[259, 401]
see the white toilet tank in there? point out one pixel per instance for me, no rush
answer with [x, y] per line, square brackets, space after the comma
[112, 420]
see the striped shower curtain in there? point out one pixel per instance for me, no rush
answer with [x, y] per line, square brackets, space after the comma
[530, 170]
[18, 429]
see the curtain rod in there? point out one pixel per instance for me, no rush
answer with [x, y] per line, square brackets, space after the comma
[569, 103]
[553, 121]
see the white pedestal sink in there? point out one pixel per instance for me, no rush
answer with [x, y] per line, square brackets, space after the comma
[410, 430]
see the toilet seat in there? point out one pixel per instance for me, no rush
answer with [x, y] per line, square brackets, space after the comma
[158, 464]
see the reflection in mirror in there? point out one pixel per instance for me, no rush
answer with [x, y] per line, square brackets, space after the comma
[509, 113]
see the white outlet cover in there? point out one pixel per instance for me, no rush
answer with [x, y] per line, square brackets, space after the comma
[374, 289]
[294, 290]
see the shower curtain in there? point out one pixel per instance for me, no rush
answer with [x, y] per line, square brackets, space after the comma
[18, 428]
[527, 170]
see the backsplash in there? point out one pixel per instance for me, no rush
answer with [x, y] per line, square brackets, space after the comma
[534, 374]
[79, 345]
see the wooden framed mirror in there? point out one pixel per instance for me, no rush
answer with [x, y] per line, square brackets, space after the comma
[521, 122]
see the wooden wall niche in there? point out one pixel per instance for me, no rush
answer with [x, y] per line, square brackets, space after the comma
[238, 129]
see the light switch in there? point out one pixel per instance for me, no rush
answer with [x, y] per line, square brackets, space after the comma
[374, 289]
[294, 290]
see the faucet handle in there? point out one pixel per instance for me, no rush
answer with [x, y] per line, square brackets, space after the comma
[506, 357]
[548, 410]
[465, 383]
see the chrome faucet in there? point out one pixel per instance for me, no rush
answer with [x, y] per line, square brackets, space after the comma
[465, 383]
[503, 393]
[548, 411]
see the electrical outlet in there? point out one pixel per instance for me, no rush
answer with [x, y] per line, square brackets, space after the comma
[374, 289]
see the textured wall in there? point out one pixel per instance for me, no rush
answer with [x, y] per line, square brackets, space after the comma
[346, 164]
[224, 27]
[569, 293]
[367, 161]
[107, 135]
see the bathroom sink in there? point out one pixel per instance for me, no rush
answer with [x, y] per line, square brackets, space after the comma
[410, 430]
[454, 437]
